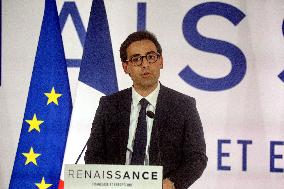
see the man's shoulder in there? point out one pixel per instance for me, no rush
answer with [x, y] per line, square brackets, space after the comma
[176, 95]
[119, 95]
[175, 102]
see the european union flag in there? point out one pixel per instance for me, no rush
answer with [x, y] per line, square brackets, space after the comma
[46, 121]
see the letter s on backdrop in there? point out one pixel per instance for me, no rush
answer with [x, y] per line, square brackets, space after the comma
[233, 53]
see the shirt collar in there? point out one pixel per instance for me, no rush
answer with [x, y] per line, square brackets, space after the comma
[151, 98]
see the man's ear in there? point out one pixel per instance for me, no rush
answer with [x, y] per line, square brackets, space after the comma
[161, 62]
[125, 67]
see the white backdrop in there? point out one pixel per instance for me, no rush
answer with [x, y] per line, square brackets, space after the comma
[250, 111]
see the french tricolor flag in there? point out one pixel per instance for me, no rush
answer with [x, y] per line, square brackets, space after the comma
[97, 77]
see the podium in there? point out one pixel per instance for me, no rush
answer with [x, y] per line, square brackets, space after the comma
[101, 176]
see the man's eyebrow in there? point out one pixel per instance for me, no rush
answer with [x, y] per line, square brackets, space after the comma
[151, 52]
[141, 55]
[135, 55]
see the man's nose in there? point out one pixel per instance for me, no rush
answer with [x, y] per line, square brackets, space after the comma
[145, 62]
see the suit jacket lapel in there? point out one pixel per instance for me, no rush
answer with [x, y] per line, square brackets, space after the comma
[124, 107]
[160, 115]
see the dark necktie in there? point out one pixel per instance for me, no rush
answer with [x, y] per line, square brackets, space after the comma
[139, 147]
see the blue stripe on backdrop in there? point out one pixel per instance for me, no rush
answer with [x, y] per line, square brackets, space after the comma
[97, 68]
[73, 63]
[0, 41]
[141, 16]
[46, 121]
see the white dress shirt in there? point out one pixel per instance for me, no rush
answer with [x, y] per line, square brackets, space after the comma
[135, 109]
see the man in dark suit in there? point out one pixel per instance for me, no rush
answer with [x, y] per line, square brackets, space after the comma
[169, 134]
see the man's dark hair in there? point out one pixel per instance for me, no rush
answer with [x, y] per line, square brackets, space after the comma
[138, 36]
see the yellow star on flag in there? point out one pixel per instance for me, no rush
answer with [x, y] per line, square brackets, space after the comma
[43, 185]
[52, 96]
[34, 123]
[31, 156]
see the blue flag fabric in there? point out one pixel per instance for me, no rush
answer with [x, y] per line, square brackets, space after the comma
[97, 68]
[46, 121]
[97, 77]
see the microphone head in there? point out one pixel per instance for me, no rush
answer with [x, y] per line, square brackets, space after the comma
[150, 114]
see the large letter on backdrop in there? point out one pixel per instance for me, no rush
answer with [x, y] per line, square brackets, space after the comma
[281, 75]
[70, 8]
[274, 156]
[233, 53]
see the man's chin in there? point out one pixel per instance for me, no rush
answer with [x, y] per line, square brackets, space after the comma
[149, 84]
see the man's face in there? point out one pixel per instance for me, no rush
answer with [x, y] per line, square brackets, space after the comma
[146, 75]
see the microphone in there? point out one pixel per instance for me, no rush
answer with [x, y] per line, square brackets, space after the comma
[150, 114]
[81, 152]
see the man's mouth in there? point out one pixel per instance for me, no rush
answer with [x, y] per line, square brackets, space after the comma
[145, 74]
